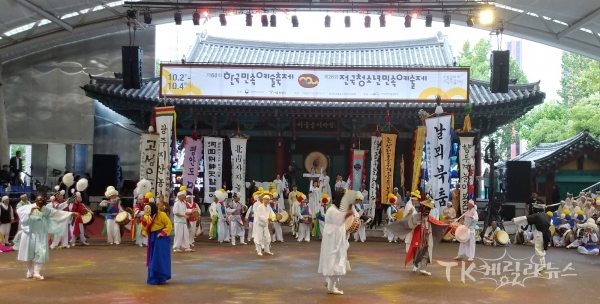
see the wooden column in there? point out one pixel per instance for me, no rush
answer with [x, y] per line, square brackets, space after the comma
[280, 167]
[549, 187]
[477, 144]
[580, 161]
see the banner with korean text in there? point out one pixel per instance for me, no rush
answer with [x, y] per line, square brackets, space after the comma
[193, 154]
[314, 83]
[466, 154]
[165, 127]
[213, 166]
[238, 167]
[418, 157]
[438, 145]
[148, 161]
[388, 158]
[375, 154]
[358, 165]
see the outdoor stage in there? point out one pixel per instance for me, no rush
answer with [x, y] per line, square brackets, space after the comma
[221, 273]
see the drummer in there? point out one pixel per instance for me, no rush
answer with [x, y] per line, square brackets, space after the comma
[467, 249]
[77, 222]
[190, 207]
[278, 235]
[361, 235]
[488, 238]
[391, 214]
[234, 208]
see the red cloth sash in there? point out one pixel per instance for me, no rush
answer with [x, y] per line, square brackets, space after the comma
[192, 206]
[77, 207]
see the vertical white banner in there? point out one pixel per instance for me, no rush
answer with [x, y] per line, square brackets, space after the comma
[438, 144]
[375, 154]
[148, 160]
[164, 125]
[238, 167]
[466, 154]
[213, 166]
[193, 153]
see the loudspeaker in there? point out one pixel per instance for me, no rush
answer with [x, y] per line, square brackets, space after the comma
[132, 67]
[499, 66]
[518, 181]
[105, 172]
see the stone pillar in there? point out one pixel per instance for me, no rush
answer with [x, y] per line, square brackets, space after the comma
[478, 173]
[280, 167]
[4, 148]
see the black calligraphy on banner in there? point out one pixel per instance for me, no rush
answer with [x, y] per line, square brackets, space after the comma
[466, 161]
[438, 146]
[213, 159]
[149, 159]
[375, 154]
[238, 166]
[388, 157]
[316, 126]
[164, 125]
[193, 153]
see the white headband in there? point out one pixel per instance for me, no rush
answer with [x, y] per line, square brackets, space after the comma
[4, 198]
[23, 195]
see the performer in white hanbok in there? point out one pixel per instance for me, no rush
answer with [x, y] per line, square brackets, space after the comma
[318, 230]
[361, 234]
[250, 214]
[263, 214]
[293, 202]
[467, 249]
[222, 221]
[277, 232]
[569, 198]
[182, 234]
[234, 210]
[305, 219]
[325, 186]
[562, 207]
[540, 222]
[314, 197]
[212, 210]
[113, 207]
[590, 239]
[278, 183]
[391, 213]
[37, 220]
[192, 221]
[59, 203]
[575, 207]
[333, 259]
[24, 201]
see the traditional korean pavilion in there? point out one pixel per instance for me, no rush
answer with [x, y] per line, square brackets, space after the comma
[282, 131]
[572, 164]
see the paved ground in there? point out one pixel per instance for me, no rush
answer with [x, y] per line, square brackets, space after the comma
[221, 273]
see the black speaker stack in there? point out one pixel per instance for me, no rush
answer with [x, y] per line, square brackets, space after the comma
[499, 64]
[105, 170]
[518, 181]
[133, 58]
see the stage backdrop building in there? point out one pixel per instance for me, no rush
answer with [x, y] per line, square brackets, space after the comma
[284, 130]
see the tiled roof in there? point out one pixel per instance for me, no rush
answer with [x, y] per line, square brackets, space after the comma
[543, 155]
[428, 52]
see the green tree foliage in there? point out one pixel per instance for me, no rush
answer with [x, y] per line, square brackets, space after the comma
[585, 114]
[580, 79]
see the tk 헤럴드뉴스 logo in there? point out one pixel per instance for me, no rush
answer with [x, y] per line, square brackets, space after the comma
[308, 81]
[507, 271]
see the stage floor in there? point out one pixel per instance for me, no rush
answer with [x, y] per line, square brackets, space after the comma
[222, 273]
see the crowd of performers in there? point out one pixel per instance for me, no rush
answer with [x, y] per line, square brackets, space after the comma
[316, 215]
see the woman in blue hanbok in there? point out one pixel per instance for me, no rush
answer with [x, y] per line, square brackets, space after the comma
[157, 226]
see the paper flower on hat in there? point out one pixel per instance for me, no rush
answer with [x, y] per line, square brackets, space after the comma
[391, 195]
[146, 200]
[56, 188]
[260, 189]
[345, 190]
[182, 188]
[562, 216]
[549, 213]
[149, 195]
[567, 217]
[567, 211]
[580, 212]
[556, 222]
[359, 196]
[580, 217]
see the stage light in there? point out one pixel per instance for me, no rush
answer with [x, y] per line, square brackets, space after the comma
[327, 21]
[205, 13]
[264, 20]
[131, 14]
[178, 18]
[273, 20]
[446, 19]
[428, 20]
[382, 20]
[196, 18]
[415, 15]
[248, 19]
[295, 21]
[367, 21]
[407, 20]
[347, 21]
[470, 20]
[148, 17]
[486, 17]
[231, 13]
[222, 19]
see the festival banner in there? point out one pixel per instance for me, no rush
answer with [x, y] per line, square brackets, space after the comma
[438, 145]
[213, 164]
[165, 126]
[358, 163]
[375, 153]
[193, 154]
[402, 172]
[418, 157]
[148, 161]
[388, 158]
[466, 161]
[238, 166]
